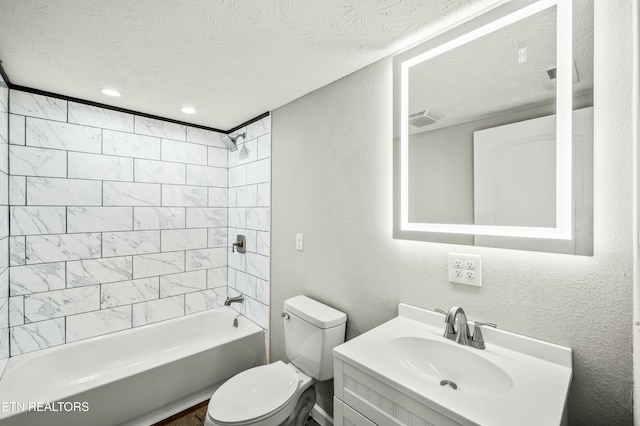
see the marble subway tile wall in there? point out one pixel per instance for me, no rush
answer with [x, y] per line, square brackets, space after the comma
[249, 200]
[116, 221]
[4, 225]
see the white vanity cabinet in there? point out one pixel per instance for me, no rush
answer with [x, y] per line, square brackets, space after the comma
[347, 416]
[406, 373]
[362, 400]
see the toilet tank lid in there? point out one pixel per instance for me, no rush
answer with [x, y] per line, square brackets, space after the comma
[314, 312]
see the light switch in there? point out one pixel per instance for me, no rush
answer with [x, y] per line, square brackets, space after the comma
[299, 242]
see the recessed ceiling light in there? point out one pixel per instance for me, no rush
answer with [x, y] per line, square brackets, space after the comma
[110, 92]
[188, 110]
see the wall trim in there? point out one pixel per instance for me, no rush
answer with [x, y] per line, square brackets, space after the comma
[4, 75]
[123, 110]
[246, 123]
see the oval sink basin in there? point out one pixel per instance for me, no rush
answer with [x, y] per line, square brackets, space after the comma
[448, 362]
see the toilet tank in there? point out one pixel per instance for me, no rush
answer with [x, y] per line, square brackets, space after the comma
[311, 331]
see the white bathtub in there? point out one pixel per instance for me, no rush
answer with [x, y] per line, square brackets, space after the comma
[135, 377]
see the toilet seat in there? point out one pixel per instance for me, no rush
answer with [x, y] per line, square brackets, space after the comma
[253, 394]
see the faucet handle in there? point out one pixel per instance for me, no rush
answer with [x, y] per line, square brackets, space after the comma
[477, 340]
[240, 244]
[449, 331]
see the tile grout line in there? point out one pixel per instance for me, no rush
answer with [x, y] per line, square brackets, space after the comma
[161, 186]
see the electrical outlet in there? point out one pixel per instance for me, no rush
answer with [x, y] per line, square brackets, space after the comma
[299, 242]
[465, 269]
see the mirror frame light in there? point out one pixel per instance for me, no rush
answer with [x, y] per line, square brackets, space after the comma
[564, 50]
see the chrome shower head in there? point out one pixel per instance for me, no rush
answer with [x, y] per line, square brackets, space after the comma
[230, 141]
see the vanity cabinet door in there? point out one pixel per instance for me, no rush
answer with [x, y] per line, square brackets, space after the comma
[343, 415]
[379, 403]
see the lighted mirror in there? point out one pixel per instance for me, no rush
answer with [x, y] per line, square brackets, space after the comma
[493, 131]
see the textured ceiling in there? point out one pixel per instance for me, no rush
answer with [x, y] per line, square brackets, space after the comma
[230, 59]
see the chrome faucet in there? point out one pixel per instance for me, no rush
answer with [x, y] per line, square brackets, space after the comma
[459, 332]
[230, 300]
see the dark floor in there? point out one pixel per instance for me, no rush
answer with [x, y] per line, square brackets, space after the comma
[195, 416]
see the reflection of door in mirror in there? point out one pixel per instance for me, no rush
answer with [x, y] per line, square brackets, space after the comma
[514, 181]
[514, 174]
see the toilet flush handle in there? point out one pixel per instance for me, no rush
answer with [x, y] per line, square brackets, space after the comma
[285, 315]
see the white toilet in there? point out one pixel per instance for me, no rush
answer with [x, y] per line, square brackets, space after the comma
[279, 393]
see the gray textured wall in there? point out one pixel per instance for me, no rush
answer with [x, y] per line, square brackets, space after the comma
[332, 181]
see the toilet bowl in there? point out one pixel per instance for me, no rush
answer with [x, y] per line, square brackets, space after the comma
[283, 394]
[268, 395]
